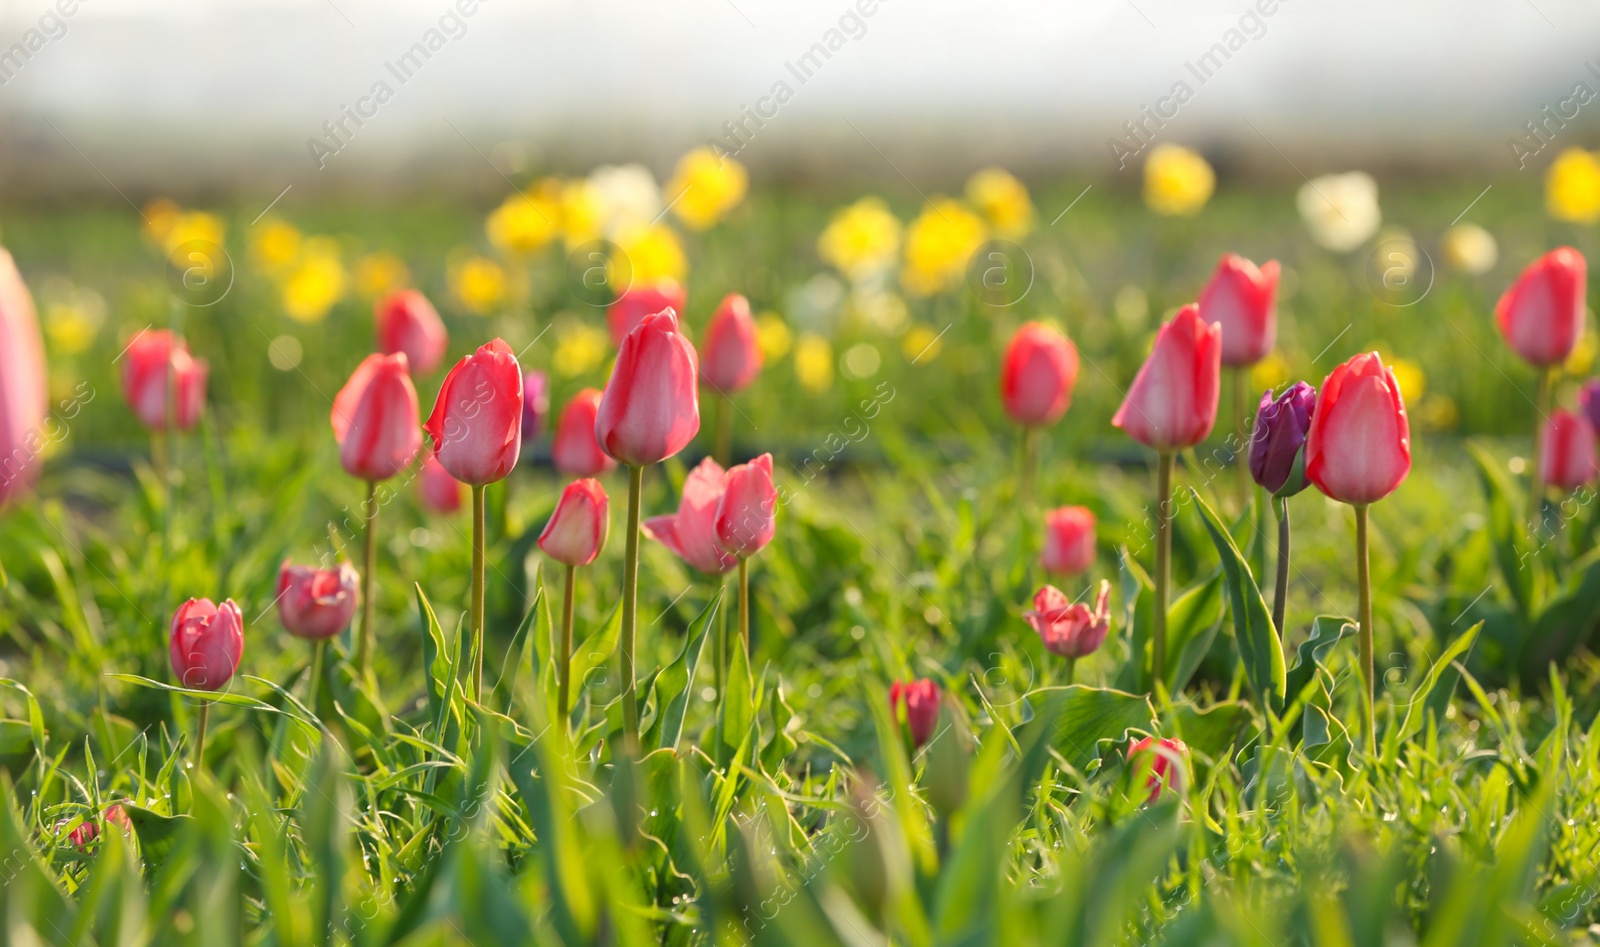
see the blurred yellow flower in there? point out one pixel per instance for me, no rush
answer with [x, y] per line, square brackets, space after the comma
[1470, 249]
[315, 283]
[579, 348]
[654, 254]
[1340, 210]
[1177, 181]
[71, 327]
[159, 217]
[377, 273]
[1436, 413]
[883, 311]
[773, 335]
[705, 187]
[626, 196]
[813, 363]
[194, 225]
[1572, 186]
[1408, 375]
[274, 244]
[938, 245]
[526, 221]
[582, 213]
[1003, 201]
[479, 284]
[861, 240]
[1583, 353]
[921, 344]
[1270, 372]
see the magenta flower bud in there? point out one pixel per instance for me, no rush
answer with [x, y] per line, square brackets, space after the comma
[577, 529]
[730, 357]
[1277, 441]
[1589, 402]
[1069, 628]
[535, 405]
[917, 703]
[317, 603]
[207, 642]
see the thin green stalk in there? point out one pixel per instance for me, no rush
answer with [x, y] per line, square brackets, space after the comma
[1163, 576]
[1547, 379]
[564, 669]
[744, 603]
[367, 641]
[1025, 466]
[1072, 669]
[477, 592]
[1369, 684]
[200, 737]
[723, 451]
[318, 656]
[1280, 594]
[630, 609]
[1241, 453]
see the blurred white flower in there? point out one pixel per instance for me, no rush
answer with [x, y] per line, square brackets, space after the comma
[627, 196]
[1470, 249]
[1340, 210]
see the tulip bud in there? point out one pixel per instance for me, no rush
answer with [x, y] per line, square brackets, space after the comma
[24, 400]
[375, 418]
[575, 452]
[916, 704]
[154, 360]
[1069, 543]
[89, 830]
[632, 306]
[1243, 300]
[1568, 460]
[1168, 761]
[476, 424]
[577, 529]
[1541, 314]
[747, 513]
[1038, 375]
[731, 353]
[651, 405]
[408, 323]
[207, 642]
[691, 533]
[317, 603]
[1068, 628]
[1172, 403]
[949, 763]
[535, 405]
[1276, 460]
[1359, 448]
[440, 492]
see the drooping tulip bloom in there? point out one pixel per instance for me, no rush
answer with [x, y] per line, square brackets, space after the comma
[317, 603]
[374, 418]
[24, 402]
[730, 356]
[1069, 540]
[89, 830]
[1172, 403]
[747, 512]
[1168, 764]
[407, 322]
[691, 533]
[440, 492]
[1359, 448]
[1038, 374]
[577, 529]
[1243, 300]
[207, 642]
[1541, 314]
[1589, 401]
[1282, 424]
[917, 703]
[150, 359]
[476, 424]
[535, 405]
[1569, 451]
[1069, 628]
[575, 451]
[624, 315]
[651, 406]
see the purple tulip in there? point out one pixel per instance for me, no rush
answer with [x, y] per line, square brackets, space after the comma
[1279, 437]
[1589, 401]
[535, 405]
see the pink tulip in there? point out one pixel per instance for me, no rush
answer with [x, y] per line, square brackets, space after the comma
[577, 529]
[1243, 300]
[1568, 461]
[747, 513]
[151, 361]
[1038, 375]
[1069, 540]
[207, 643]
[1359, 448]
[440, 492]
[1173, 401]
[24, 401]
[87, 831]
[535, 405]
[374, 418]
[476, 424]
[1068, 628]
[317, 603]
[632, 306]
[575, 452]
[408, 323]
[1168, 765]
[651, 405]
[691, 533]
[1541, 315]
[917, 703]
[731, 352]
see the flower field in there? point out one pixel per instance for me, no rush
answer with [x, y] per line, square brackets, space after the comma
[1181, 560]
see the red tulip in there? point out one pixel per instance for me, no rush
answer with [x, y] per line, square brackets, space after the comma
[917, 703]
[24, 401]
[317, 603]
[1243, 300]
[691, 533]
[1169, 766]
[747, 513]
[440, 492]
[1541, 315]
[1173, 401]
[1359, 448]
[632, 306]
[651, 405]
[375, 418]
[731, 352]
[476, 424]
[575, 452]
[535, 405]
[207, 642]
[1038, 374]
[1069, 545]
[1568, 461]
[1068, 628]
[88, 830]
[577, 529]
[154, 357]
[408, 323]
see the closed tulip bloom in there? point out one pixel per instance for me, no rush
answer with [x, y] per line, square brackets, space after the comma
[691, 533]
[408, 323]
[730, 356]
[374, 418]
[651, 405]
[207, 642]
[1243, 300]
[317, 603]
[577, 529]
[147, 362]
[1069, 543]
[917, 703]
[1359, 448]
[624, 315]
[88, 830]
[1069, 628]
[1589, 401]
[1282, 425]
[1168, 764]
[748, 511]
[535, 405]
[1569, 451]
[440, 492]
[1172, 403]
[24, 402]
[476, 424]
[1038, 375]
[575, 452]
[1541, 315]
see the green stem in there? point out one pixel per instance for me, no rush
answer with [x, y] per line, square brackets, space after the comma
[630, 610]
[477, 592]
[723, 450]
[318, 656]
[200, 738]
[1072, 669]
[564, 669]
[1547, 378]
[366, 643]
[1163, 576]
[1025, 466]
[1280, 595]
[1241, 450]
[1364, 580]
[744, 604]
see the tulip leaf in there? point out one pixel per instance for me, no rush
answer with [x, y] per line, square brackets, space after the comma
[1138, 610]
[1089, 716]
[1252, 623]
[1566, 621]
[1192, 625]
[1507, 535]
[1415, 717]
[674, 685]
[1210, 731]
